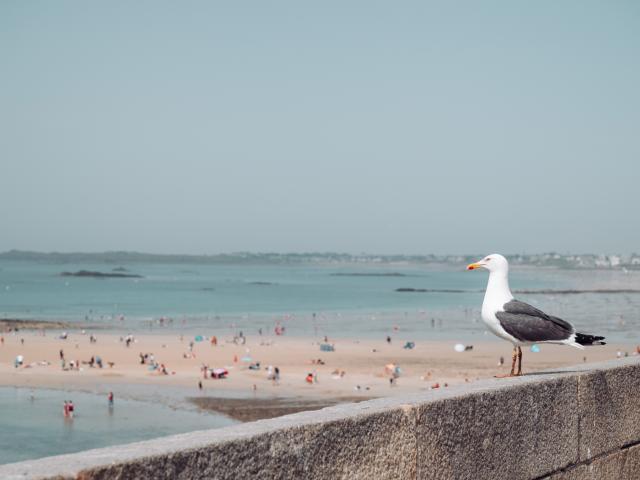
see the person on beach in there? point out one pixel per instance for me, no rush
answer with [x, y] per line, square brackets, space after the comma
[200, 385]
[65, 409]
[111, 399]
[70, 408]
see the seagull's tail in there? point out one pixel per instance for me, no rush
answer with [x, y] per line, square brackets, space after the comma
[583, 339]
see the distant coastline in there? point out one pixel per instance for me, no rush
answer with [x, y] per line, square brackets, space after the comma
[555, 260]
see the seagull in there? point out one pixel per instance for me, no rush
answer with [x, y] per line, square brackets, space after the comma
[518, 322]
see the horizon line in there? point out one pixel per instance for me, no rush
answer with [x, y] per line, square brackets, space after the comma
[273, 252]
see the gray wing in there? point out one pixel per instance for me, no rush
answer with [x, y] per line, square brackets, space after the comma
[528, 324]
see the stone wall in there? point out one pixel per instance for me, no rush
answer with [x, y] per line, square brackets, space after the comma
[575, 423]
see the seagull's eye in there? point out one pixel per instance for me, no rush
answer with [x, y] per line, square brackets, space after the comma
[487, 259]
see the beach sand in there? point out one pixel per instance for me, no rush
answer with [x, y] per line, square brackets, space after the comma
[248, 394]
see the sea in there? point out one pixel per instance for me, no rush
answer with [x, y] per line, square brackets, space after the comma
[337, 300]
[413, 302]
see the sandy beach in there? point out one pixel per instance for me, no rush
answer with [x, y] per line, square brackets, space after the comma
[355, 370]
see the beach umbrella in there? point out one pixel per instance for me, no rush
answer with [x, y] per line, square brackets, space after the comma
[199, 338]
[535, 348]
[459, 347]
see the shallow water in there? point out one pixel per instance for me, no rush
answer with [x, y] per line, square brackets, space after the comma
[35, 427]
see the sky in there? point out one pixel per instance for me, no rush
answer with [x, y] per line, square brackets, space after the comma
[351, 126]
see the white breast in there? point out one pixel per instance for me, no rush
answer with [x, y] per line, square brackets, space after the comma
[497, 294]
[490, 319]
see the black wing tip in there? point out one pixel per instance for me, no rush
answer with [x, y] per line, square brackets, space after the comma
[583, 339]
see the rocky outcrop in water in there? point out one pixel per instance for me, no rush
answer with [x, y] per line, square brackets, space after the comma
[89, 273]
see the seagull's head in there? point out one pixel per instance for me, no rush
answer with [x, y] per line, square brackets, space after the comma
[494, 263]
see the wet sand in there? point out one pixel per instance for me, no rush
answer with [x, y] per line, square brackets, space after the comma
[251, 409]
[10, 324]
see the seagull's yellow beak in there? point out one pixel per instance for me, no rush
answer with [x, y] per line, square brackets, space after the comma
[473, 266]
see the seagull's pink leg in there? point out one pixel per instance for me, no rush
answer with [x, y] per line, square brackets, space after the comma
[519, 372]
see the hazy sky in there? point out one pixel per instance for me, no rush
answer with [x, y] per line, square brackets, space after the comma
[357, 126]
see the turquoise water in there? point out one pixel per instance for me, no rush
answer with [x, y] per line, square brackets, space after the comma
[36, 290]
[212, 298]
[34, 428]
